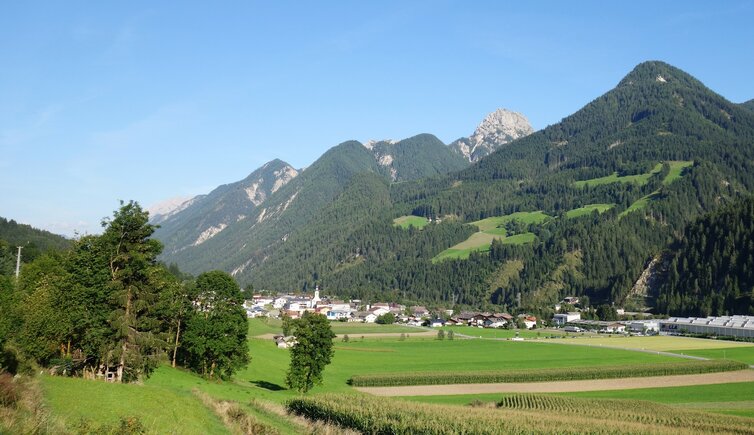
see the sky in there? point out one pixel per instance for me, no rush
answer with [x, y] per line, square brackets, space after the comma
[109, 101]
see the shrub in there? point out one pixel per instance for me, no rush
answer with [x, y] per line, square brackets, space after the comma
[9, 391]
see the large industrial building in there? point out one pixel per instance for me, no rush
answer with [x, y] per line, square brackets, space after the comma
[732, 326]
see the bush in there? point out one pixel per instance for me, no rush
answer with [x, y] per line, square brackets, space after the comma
[9, 391]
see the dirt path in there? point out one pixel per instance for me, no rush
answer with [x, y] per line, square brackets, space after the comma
[564, 386]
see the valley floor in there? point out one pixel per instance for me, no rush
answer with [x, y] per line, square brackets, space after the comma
[175, 401]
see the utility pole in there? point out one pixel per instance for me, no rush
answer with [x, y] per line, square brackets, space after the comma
[18, 261]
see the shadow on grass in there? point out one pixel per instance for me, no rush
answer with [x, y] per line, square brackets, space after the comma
[268, 385]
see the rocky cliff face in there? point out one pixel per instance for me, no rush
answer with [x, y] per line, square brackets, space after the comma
[201, 218]
[497, 129]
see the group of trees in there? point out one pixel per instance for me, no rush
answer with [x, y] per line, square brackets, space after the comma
[711, 269]
[106, 307]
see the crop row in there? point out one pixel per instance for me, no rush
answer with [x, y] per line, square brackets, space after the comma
[638, 411]
[377, 415]
[545, 375]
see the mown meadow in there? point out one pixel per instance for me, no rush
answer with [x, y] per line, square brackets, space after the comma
[176, 401]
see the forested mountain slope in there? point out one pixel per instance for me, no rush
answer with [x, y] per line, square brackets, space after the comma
[712, 267]
[660, 149]
[749, 104]
[199, 238]
[33, 241]
[417, 157]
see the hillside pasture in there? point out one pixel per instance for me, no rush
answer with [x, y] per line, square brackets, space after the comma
[526, 217]
[411, 221]
[163, 410]
[588, 209]
[640, 179]
[676, 171]
[492, 228]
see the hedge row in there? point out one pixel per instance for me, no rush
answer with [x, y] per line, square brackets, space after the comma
[546, 375]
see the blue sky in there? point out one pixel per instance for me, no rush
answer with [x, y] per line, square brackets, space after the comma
[101, 101]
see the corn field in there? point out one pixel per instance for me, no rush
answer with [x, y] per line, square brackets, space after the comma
[376, 415]
[546, 375]
[638, 411]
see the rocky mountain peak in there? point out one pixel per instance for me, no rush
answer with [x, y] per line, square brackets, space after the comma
[497, 129]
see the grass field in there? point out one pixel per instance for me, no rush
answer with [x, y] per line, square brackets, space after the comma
[676, 171]
[471, 331]
[640, 203]
[158, 408]
[167, 396]
[411, 221]
[527, 217]
[640, 179]
[588, 209]
[490, 229]
[660, 343]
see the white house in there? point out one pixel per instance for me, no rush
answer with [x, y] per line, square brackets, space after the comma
[436, 323]
[611, 328]
[379, 310]
[279, 302]
[365, 316]
[338, 314]
[563, 318]
[644, 326]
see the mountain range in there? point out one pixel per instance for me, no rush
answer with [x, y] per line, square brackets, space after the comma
[581, 207]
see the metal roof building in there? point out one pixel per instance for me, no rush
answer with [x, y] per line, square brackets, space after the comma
[732, 326]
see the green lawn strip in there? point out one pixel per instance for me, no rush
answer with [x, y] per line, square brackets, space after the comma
[640, 203]
[411, 221]
[545, 374]
[520, 239]
[526, 217]
[537, 334]
[356, 328]
[676, 171]
[742, 354]
[265, 325]
[640, 179]
[588, 209]
[161, 409]
[500, 231]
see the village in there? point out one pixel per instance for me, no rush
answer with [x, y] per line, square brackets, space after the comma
[567, 318]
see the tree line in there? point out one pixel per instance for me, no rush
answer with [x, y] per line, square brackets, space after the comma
[107, 308]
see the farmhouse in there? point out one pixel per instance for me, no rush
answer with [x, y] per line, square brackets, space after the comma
[420, 311]
[436, 323]
[365, 317]
[284, 342]
[529, 321]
